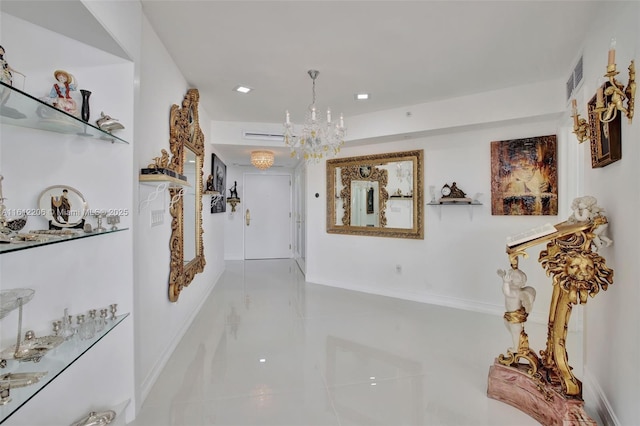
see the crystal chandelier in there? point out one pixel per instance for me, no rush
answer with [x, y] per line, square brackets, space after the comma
[318, 138]
[262, 159]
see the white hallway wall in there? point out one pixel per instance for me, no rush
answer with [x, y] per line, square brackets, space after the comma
[442, 266]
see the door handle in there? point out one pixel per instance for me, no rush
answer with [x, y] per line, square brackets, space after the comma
[247, 217]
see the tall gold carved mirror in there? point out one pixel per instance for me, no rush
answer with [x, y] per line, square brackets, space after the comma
[187, 156]
[378, 195]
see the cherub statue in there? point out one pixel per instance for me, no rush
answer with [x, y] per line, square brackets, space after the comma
[587, 209]
[161, 162]
[518, 300]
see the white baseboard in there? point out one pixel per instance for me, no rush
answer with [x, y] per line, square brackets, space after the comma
[537, 317]
[593, 392]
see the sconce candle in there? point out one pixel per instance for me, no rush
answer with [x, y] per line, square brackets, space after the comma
[599, 98]
[612, 52]
[574, 110]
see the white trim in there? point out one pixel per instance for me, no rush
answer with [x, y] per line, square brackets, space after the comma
[603, 408]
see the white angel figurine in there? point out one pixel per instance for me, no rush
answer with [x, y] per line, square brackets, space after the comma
[518, 300]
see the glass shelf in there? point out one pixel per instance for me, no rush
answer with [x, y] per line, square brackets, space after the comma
[53, 363]
[24, 110]
[52, 239]
[455, 203]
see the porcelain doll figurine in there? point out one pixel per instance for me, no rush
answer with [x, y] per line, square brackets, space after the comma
[61, 92]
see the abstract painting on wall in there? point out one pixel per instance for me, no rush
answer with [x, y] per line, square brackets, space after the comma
[524, 176]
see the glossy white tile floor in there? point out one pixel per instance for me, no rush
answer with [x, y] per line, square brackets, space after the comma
[270, 349]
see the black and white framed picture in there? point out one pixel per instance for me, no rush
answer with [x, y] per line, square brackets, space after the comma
[219, 173]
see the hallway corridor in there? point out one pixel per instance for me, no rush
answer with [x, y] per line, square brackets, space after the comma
[269, 349]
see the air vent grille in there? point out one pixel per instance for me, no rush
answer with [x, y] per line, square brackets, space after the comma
[263, 136]
[575, 78]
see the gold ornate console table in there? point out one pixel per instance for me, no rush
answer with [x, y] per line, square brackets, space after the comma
[544, 386]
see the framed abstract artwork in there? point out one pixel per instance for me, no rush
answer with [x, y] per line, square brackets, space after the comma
[605, 137]
[524, 176]
[219, 173]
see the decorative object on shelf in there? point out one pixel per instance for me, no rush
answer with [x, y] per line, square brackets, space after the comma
[544, 387]
[64, 207]
[605, 136]
[219, 172]
[349, 197]
[209, 186]
[99, 215]
[6, 77]
[524, 176]
[17, 380]
[113, 220]
[186, 244]
[233, 199]
[262, 159]
[31, 348]
[85, 110]
[12, 299]
[585, 209]
[317, 139]
[60, 95]
[580, 125]
[453, 194]
[113, 308]
[9, 224]
[233, 191]
[108, 123]
[160, 165]
[96, 418]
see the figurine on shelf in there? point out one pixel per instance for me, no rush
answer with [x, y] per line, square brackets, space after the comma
[209, 187]
[233, 191]
[161, 162]
[61, 92]
[584, 209]
[6, 76]
[108, 123]
[518, 300]
[456, 192]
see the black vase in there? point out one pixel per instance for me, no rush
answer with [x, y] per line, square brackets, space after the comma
[84, 113]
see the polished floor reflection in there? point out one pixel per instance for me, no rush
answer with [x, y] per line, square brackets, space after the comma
[270, 349]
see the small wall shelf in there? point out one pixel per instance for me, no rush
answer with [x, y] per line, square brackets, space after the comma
[458, 204]
[49, 239]
[24, 110]
[158, 179]
[53, 363]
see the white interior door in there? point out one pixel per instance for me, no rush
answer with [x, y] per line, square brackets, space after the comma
[267, 216]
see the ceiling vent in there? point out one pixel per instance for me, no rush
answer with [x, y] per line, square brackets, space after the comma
[575, 79]
[260, 136]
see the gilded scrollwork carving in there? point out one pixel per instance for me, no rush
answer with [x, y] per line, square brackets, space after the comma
[185, 133]
[577, 272]
[406, 168]
[374, 174]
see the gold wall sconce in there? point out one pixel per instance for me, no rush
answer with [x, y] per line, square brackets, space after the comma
[611, 98]
[580, 125]
[234, 202]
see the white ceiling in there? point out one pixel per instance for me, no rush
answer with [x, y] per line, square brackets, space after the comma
[402, 52]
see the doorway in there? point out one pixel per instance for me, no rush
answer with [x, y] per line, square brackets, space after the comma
[267, 216]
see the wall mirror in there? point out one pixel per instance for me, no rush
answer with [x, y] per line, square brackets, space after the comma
[187, 156]
[377, 195]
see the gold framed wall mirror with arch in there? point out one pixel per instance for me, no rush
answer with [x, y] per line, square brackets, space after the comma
[379, 195]
[187, 157]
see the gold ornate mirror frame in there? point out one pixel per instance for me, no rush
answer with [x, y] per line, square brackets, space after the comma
[185, 133]
[367, 168]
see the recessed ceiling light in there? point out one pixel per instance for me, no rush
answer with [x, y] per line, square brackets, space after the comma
[361, 96]
[242, 89]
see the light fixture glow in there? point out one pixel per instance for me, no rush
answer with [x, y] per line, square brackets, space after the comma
[242, 89]
[263, 360]
[362, 96]
[262, 159]
[317, 138]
